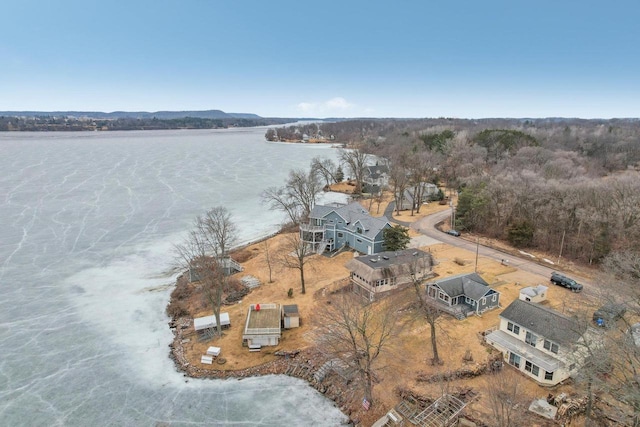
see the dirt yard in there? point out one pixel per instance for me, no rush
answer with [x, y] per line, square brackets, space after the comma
[410, 356]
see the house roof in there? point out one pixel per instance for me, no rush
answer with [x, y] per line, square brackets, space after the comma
[370, 226]
[376, 171]
[290, 310]
[470, 285]
[534, 291]
[389, 263]
[352, 213]
[543, 321]
[267, 316]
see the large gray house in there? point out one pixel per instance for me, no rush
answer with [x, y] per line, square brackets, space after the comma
[464, 294]
[333, 227]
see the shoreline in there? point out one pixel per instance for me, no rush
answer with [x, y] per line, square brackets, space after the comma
[301, 364]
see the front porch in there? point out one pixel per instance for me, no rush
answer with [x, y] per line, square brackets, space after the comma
[459, 311]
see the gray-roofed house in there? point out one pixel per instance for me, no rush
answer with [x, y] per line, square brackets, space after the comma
[464, 294]
[427, 191]
[334, 227]
[375, 275]
[376, 176]
[542, 343]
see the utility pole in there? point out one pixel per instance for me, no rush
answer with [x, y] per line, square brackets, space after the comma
[453, 215]
[561, 246]
[477, 249]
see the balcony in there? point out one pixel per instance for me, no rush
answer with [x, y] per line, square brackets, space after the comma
[308, 228]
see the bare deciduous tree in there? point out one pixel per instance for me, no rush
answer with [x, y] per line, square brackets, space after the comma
[204, 252]
[356, 161]
[296, 255]
[325, 168]
[430, 311]
[297, 197]
[267, 258]
[358, 334]
[504, 393]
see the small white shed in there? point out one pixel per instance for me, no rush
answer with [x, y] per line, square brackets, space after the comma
[290, 316]
[534, 294]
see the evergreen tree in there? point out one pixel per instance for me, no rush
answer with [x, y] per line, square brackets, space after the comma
[396, 238]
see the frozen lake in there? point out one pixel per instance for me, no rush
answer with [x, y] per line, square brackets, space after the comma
[87, 222]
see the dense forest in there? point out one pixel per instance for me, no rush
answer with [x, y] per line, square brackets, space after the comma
[565, 186]
[62, 123]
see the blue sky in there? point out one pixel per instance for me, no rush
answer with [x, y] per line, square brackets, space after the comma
[344, 58]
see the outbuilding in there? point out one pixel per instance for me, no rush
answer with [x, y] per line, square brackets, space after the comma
[534, 294]
[290, 316]
[204, 325]
[263, 326]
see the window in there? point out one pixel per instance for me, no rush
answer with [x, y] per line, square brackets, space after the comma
[530, 367]
[514, 360]
[359, 230]
[513, 328]
[494, 298]
[551, 346]
[340, 234]
[443, 296]
[530, 339]
[548, 375]
[572, 366]
[359, 240]
[432, 292]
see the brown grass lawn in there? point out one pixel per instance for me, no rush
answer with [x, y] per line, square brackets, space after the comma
[411, 351]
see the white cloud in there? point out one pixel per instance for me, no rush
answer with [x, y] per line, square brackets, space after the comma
[338, 103]
[332, 106]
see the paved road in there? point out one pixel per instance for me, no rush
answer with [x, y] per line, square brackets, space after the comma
[427, 226]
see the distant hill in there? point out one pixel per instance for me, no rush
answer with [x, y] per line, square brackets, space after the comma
[163, 115]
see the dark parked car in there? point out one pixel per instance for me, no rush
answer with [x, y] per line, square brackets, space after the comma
[560, 280]
[608, 314]
[453, 232]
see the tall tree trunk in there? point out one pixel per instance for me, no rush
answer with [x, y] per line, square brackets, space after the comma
[302, 279]
[434, 344]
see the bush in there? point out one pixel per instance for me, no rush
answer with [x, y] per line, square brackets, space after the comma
[290, 293]
[176, 309]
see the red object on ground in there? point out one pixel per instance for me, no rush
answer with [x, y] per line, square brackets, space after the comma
[257, 307]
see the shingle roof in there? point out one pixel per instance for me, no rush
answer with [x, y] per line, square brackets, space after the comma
[377, 170]
[544, 321]
[371, 226]
[290, 309]
[352, 213]
[470, 285]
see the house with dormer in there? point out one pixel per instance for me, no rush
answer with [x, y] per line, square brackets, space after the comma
[463, 295]
[334, 227]
[542, 343]
[376, 175]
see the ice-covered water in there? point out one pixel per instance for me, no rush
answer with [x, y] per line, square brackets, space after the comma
[87, 221]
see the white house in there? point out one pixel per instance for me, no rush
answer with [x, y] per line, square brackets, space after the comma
[542, 343]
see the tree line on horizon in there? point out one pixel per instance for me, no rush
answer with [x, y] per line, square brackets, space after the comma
[55, 123]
